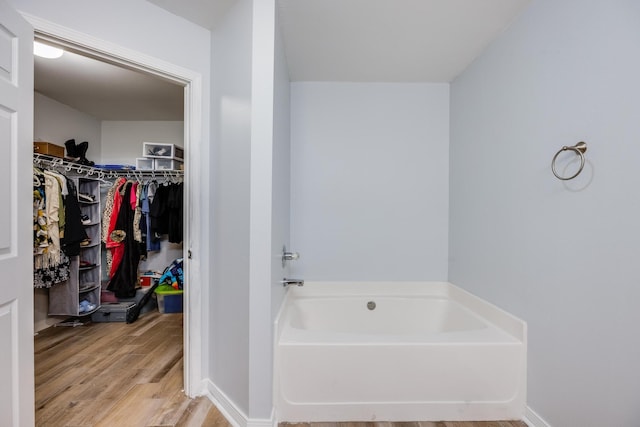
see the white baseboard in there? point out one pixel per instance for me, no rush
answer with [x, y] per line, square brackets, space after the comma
[256, 422]
[230, 411]
[226, 407]
[533, 419]
[237, 418]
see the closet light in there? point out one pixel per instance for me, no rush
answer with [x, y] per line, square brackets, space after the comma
[46, 51]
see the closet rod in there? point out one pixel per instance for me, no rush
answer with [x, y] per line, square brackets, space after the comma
[105, 174]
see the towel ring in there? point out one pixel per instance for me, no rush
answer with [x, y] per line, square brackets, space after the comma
[579, 149]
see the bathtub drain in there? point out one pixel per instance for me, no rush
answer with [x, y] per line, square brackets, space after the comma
[371, 305]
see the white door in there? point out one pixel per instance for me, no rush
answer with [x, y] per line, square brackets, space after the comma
[16, 264]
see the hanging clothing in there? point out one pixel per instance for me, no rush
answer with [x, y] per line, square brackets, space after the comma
[112, 210]
[51, 255]
[147, 198]
[175, 213]
[166, 213]
[74, 230]
[137, 211]
[62, 185]
[127, 255]
[40, 231]
[51, 265]
[117, 234]
[158, 213]
[46, 277]
[108, 209]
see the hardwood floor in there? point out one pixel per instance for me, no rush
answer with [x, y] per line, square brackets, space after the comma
[119, 375]
[114, 374]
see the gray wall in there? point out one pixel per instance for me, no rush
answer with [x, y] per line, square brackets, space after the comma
[57, 123]
[122, 141]
[369, 180]
[562, 256]
[228, 352]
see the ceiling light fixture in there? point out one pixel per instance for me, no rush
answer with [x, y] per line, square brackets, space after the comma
[45, 51]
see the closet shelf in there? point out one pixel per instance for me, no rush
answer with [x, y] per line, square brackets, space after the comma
[104, 174]
[81, 291]
[88, 287]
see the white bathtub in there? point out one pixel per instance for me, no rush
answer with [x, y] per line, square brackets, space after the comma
[428, 351]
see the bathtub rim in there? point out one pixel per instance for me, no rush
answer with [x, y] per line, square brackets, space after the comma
[491, 313]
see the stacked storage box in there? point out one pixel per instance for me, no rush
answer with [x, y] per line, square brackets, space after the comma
[160, 156]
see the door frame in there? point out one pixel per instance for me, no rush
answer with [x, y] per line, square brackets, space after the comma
[193, 86]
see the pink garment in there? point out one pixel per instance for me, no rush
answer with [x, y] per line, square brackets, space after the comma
[133, 199]
[116, 248]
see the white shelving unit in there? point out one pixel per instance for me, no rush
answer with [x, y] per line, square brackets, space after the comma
[84, 274]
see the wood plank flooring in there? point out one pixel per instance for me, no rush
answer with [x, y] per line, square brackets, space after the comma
[114, 374]
[119, 375]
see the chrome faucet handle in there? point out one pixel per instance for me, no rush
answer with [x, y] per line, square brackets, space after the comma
[291, 256]
[288, 256]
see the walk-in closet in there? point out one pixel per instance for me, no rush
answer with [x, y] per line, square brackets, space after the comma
[108, 170]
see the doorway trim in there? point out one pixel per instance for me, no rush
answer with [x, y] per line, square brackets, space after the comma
[193, 85]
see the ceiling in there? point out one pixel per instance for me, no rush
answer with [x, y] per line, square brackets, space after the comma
[389, 40]
[106, 91]
[324, 40]
[374, 40]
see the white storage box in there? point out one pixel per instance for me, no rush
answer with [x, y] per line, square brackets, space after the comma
[144, 164]
[159, 150]
[167, 164]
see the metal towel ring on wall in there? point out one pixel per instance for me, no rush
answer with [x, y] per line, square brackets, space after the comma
[579, 149]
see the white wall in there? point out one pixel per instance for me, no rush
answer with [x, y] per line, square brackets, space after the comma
[369, 180]
[122, 140]
[563, 256]
[281, 179]
[56, 122]
[133, 24]
[252, 210]
[263, 212]
[228, 353]
[281, 194]
[269, 218]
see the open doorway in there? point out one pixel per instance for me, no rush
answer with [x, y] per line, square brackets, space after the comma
[111, 129]
[115, 110]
